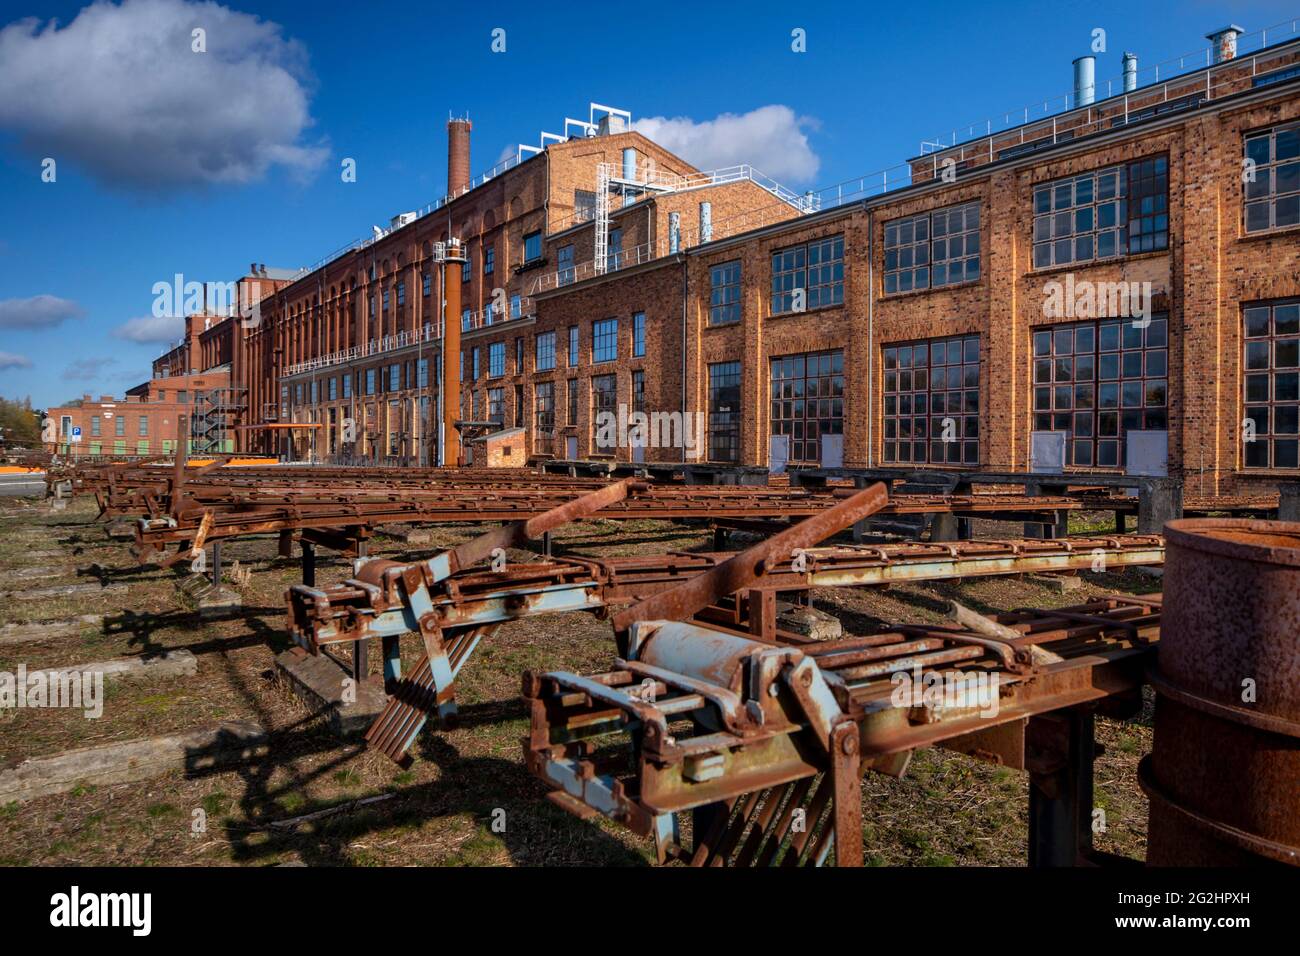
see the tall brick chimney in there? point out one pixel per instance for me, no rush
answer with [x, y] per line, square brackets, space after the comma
[457, 155]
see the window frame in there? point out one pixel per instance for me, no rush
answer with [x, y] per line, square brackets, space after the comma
[604, 340]
[1064, 391]
[1271, 197]
[725, 293]
[792, 262]
[722, 428]
[797, 399]
[1268, 437]
[532, 238]
[903, 426]
[638, 334]
[544, 358]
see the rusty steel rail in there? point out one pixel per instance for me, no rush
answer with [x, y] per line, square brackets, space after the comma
[761, 730]
[341, 510]
[431, 687]
[467, 607]
[474, 597]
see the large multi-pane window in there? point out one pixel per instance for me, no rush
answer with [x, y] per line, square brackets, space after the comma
[724, 412]
[724, 293]
[932, 401]
[426, 283]
[604, 398]
[604, 340]
[489, 260]
[532, 247]
[144, 426]
[807, 401]
[401, 292]
[811, 274]
[614, 258]
[332, 389]
[496, 359]
[1273, 178]
[573, 346]
[638, 333]
[545, 358]
[347, 386]
[572, 403]
[1079, 219]
[934, 249]
[474, 363]
[1097, 381]
[119, 425]
[1271, 364]
[544, 406]
[496, 400]
[519, 355]
[1148, 205]
[394, 380]
[638, 391]
[564, 263]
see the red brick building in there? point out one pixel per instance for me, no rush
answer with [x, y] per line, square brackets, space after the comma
[1108, 288]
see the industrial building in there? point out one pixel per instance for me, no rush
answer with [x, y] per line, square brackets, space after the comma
[1108, 287]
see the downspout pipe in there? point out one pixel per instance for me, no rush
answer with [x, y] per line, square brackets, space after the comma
[871, 337]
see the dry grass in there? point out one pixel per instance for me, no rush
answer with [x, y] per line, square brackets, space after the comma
[947, 810]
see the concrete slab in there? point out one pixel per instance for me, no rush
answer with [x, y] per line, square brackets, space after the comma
[210, 601]
[808, 621]
[410, 535]
[177, 663]
[30, 574]
[224, 744]
[41, 630]
[120, 530]
[1060, 583]
[319, 683]
[61, 590]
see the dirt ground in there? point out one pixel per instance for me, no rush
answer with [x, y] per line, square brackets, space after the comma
[947, 810]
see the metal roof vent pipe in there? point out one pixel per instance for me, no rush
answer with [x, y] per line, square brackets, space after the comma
[1130, 62]
[1085, 80]
[1223, 43]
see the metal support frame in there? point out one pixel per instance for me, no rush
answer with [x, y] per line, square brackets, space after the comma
[1060, 750]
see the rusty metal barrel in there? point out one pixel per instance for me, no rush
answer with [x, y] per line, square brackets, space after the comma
[1223, 777]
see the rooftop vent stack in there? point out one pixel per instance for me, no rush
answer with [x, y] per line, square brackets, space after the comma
[610, 124]
[674, 232]
[629, 164]
[252, 268]
[1085, 80]
[458, 156]
[1130, 61]
[1223, 42]
[706, 222]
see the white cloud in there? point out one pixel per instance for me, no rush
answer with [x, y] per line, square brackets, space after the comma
[151, 328]
[120, 93]
[770, 138]
[10, 360]
[37, 312]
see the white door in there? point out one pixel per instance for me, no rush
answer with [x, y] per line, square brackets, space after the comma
[832, 451]
[1047, 452]
[571, 448]
[778, 454]
[1147, 453]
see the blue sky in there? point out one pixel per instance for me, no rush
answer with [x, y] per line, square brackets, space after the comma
[168, 162]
